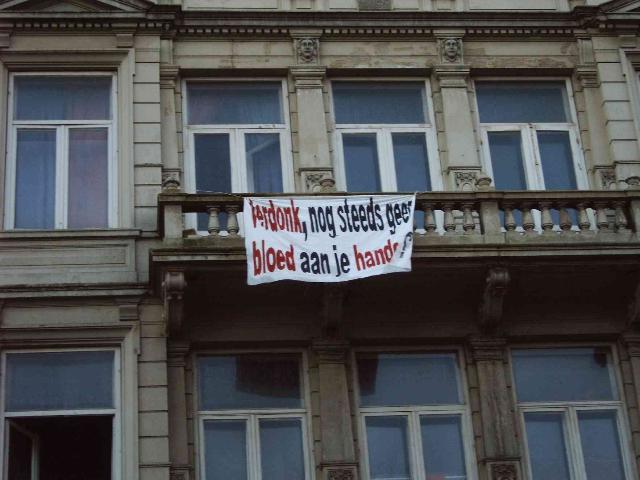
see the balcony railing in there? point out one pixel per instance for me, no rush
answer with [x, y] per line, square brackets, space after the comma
[482, 217]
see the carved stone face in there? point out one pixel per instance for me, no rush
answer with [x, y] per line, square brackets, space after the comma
[307, 49]
[451, 49]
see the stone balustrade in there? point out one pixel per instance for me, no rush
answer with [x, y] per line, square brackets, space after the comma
[471, 217]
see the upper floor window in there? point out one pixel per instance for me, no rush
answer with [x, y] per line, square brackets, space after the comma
[252, 417]
[385, 137]
[572, 414]
[60, 156]
[530, 136]
[414, 421]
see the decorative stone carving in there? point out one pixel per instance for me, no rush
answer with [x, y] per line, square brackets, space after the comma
[490, 311]
[332, 308]
[171, 179]
[608, 179]
[504, 471]
[318, 181]
[341, 474]
[451, 50]
[374, 4]
[633, 183]
[307, 49]
[465, 181]
[483, 182]
[173, 288]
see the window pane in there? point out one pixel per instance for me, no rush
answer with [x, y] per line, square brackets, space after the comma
[264, 168]
[522, 102]
[20, 456]
[408, 379]
[411, 161]
[568, 374]
[88, 178]
[35, 178]
[380, 102]
[361, 162]
[388, 447]
[249, 381]
[442, 447]
[506, 160]
[225, 450]
[220, 103]
[62, 98]
[59, 381]
[557, 160]
[547, 449]
[213, 168]
[281, 449]
[601, 445]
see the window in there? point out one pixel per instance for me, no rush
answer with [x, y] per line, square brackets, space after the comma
[529, 135]
[60, 415]
[572, 414]
[238, 138]
[60, 152]
[252, 417]
[388, 144]
[414, 422]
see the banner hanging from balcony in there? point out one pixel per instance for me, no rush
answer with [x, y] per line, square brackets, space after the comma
[327, 239]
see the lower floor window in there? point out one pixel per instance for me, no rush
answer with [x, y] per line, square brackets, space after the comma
[60, 417]
[252, 417]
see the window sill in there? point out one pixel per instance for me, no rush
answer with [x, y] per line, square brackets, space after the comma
[19, 234]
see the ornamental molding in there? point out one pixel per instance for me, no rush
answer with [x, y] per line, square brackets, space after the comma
[487, 349]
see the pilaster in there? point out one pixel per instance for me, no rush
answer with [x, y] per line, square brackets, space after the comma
[314, 161]
[501, 456]
[178, 435]
[171, 171]
[338, 454]
[462, 153]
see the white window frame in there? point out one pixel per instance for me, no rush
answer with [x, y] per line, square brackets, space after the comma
[252, 416]
[529, 140]
[383, 132]
[115, 412]
[413, 414]
[236, 132]
[62, 128]
[569, 411]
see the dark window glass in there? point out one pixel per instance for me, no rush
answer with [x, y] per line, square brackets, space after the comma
[225, 445]
[361, 162]
[249, 381]
[379, 103]
[408, 379]
[547, 449]
[388, 446]
[522, 102]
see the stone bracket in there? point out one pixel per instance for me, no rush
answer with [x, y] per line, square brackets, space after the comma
[633, 317]
[504, 470]
[173, 287]
[128, 309]
[491, 307]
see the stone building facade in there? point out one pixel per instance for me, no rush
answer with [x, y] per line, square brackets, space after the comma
[132, 347]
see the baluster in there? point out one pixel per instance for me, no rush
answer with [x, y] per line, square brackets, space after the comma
[565, 218]
[468, 223]
[527, 219]
[232, 220]
[547, 221]
[429, 219]
[621, 217]
[449, 221]
[583, 218]
[509, 219]
[601, 217]
[214, 221]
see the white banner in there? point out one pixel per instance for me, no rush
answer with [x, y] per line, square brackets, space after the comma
[327, 239]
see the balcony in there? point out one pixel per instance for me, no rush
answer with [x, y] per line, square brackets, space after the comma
[546, 247]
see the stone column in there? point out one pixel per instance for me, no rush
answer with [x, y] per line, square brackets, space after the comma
[463, 163]
[171, 171]
[338, 460]
[631, 383]
[314, 160]
[501, 456]
[178, 437]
